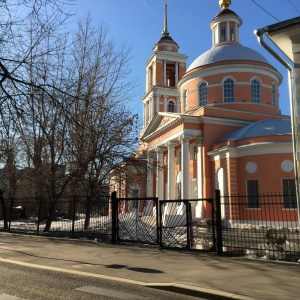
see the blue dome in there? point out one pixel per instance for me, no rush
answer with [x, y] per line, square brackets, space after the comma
[261, 128]
[227, 52]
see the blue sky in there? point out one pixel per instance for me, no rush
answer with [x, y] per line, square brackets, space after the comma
[140, 23]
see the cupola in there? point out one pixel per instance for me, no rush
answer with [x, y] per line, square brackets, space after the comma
[225, 25]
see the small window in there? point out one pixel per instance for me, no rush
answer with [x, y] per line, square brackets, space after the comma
[232, 34]
[203, 94]
[289, 194]
[255, 91]
[274, 95]
[193, 153]
[228, 90]
[223, 34]
[171, 106]
[252, 194]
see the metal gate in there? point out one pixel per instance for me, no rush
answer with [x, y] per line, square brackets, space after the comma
[137, 220]
[180, 229]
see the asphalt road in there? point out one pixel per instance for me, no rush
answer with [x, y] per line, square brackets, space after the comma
[19, 282]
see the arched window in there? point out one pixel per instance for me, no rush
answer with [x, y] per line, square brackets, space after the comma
[185, 100]
[228, 90]
[203, 94]
[274, 95]
[255, 91]
[171, 106]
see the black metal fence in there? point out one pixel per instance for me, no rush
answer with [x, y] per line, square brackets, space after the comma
[179, 228]
[231, 225]
[269, 230]
[73, 217]
[135, 220]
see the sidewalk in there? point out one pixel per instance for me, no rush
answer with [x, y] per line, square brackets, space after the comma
[198, 274]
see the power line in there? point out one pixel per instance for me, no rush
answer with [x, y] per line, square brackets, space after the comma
[265, 10]
[294, 7]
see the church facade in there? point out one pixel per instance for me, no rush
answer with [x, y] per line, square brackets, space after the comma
[215, 124]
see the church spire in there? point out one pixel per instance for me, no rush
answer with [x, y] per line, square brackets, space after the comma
[165, 32]
[224, 3]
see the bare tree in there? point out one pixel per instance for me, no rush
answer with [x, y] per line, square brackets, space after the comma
[66, 97]
[104, 131]
[42, 21]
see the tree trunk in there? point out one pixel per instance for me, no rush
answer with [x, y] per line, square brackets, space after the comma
[50, 216]
[4, 210]
[88, 213]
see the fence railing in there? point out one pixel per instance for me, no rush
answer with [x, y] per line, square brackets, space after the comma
[72, 217]
[232, 225]
[269, 230]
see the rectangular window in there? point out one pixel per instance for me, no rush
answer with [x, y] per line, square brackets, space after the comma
[193, 152]
[223, 34]
[252, 194]
[232, 35]
[289, 194]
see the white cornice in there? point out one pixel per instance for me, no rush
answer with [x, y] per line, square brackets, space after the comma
[176, 137]
[158, 90]
[166, 55]
[150, 134]
[223, 69]
[275, 147]
[217, 107]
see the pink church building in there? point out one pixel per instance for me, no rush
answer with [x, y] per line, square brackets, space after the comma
[215, 124]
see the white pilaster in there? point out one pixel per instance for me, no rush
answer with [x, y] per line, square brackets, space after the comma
[165, 103]
[227, 31]
[199, 167]
[185, 166]
[176, 73]
[171, 170]
[144, 106]
[151, 108]
[160, 174]
[157, 103]
[178, 104]
[150, 175]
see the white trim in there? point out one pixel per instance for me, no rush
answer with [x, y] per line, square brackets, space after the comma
[252, 149]
[169, 56]
[230, 68]
[176, 136]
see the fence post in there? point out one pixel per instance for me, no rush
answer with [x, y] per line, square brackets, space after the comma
[114, 210]
[159, 221]
[218, 222]
[189, 235]
[73, 216]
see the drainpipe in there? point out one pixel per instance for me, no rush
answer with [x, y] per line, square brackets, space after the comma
[259, 33]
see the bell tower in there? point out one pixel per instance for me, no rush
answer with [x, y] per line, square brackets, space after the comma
[164, 69]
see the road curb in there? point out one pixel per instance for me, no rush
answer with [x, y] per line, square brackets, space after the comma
[197, 291]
